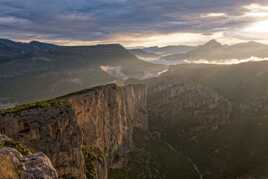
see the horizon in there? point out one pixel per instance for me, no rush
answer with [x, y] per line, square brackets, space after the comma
[133, 89]
[135, 47]
[134, 23]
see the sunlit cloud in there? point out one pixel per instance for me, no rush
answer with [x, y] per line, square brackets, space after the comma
[134, 23]
[214, 15]
[256, 7]
[146, 40]
[133, 40]
[258, 27]
[256, 10]
[257, 14]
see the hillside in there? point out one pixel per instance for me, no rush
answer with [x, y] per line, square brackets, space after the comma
[35, 70]
[214, 118]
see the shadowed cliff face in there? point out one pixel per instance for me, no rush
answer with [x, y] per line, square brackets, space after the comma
[100, 121]
[214, 118]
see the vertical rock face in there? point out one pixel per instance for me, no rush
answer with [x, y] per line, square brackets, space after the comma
[15, 163]
[185, 102]
[51, 129]
[213, 118]
[107, 117]
[101, 121]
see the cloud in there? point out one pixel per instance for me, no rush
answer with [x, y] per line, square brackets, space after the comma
[12, 21]
[256, 10]
[214, 14]
[124, 21]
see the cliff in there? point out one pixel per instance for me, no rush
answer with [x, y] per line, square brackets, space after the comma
[213, 119]
[107, 118]
[84, 133]
[17, 162]
[49, 127]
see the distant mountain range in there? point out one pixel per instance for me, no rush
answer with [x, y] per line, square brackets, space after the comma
[210, 51]
[36, 70]
[168, 50]
[145, 55]
[154, 53]
[215, 51]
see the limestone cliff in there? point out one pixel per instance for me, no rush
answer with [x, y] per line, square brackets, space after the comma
[107, 117]
[84, 133]
[17, 162]
[49, 127]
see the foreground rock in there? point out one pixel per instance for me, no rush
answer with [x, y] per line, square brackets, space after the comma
[16, 164]
[85, 133]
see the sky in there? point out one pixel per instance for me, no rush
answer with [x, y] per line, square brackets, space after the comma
[134, 23]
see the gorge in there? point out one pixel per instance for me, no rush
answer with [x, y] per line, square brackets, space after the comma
[194, 121]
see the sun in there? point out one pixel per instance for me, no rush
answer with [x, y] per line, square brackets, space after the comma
[260, 14]
[258, 27]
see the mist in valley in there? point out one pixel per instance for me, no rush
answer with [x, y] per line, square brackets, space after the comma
[125, 89]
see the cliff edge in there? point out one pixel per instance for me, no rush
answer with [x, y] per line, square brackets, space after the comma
[84, 133]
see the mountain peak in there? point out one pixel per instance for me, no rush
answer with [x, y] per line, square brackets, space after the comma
[212, 44]
[41, 44]
[255, 43]
[6, 41]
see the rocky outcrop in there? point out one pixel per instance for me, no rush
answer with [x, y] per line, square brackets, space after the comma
[49, 127]
[16, 164]
[84, 133]
[107, 117]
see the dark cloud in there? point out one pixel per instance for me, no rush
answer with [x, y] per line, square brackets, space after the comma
[94, 20]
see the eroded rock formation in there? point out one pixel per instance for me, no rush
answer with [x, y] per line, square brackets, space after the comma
[49, 127]
[107, 117]
[16, 162]
[85, 133]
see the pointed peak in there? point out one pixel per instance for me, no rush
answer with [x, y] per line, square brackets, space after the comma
[35, 42]
[38, 44]
[213, 43]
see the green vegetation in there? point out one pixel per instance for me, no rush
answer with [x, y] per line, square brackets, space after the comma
[39, 104]
[92, 156]
[119, 174]
[16, 145]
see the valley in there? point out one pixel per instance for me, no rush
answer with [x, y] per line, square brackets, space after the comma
[133, 89]
[194, 121]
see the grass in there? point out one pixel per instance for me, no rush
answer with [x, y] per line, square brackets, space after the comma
[92, 156]
[16, 145]
[39, 104]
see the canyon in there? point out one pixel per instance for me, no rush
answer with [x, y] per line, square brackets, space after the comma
[194, 121]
